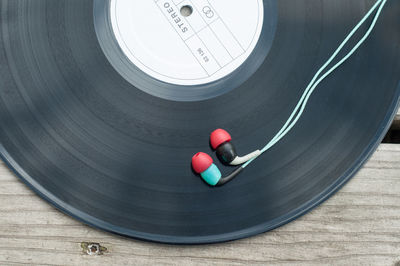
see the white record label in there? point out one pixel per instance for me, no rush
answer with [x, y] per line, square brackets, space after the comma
[205, 46]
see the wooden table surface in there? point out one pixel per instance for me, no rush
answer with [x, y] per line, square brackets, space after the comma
[358, 225]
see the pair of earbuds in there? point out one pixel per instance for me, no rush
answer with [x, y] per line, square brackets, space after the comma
[204, 165]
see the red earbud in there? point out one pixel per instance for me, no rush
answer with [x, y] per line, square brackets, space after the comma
[221, 142]
[219, 137]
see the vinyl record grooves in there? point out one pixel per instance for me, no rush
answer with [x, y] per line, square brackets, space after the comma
[111, 146]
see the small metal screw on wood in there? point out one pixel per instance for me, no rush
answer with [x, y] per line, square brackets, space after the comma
[93, 248]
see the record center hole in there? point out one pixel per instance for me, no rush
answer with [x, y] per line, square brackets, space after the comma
[186, 11]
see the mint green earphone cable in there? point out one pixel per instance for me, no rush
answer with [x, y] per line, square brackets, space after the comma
[299, 109]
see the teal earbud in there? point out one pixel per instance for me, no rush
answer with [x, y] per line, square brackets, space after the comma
[203, 165]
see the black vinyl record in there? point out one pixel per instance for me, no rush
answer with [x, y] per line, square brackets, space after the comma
[112, 146]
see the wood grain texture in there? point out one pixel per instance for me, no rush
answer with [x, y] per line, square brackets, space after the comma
[359, 225]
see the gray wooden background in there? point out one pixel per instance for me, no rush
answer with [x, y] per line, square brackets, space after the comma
[360, 225]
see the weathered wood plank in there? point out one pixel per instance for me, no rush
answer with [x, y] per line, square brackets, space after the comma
[359, 225]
